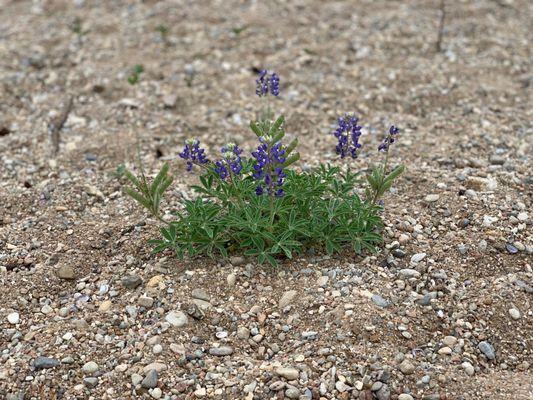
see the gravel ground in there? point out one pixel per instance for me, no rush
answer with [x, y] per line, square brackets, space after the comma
[442, 312]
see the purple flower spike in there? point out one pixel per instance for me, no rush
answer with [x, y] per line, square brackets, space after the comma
[193, 154]
[266, 84]
[348, 134]
[389, 139]
[230, 159]
[268, 169]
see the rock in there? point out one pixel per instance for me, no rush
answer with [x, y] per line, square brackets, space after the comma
[136, 379]
[177, 318]
[243, 333]
[159, 367]
[322, 281]
[287, 298]
[146, 302]
[66, 272]
[13, 318]
[380, 301]
[406, 367]
[398, 253]
[156, 393]
[155, 281]
[292, 393]
[90, 368]
[497, 159]
[231, 279]
[45, 362]
[237, 260]
[289, 373]
[409, 273]
[221, 351]
[131, 281]
[416, 258]
[383, 393]
[341, 386]
[105, 306]
[150, 380]
[202, 392]
[514, 313]
[405, 396]
[449, 341]
[194, 311]
[90, 382]
[469, 369]
[431, 198]
[170, 100]
[200, 294]
[487, 349]
[445, 351]
[157, 349]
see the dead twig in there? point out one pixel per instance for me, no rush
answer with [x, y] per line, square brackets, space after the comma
[56, 124]
[441, 26]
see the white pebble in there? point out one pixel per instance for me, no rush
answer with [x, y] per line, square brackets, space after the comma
[13, 318]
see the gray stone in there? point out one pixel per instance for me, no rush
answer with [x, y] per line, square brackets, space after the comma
[90, 382]
[409, 273]
[289, 373]
[287, 298]
[66, 272]
[380, 301]
[45, 362]
[131, 281]
[383, 393]
[406, 367]
[487, 349]
[514, 313]
[221, 351]
[292, 393]
[90, 367]
[431, 198]
[150, 380]
[405, 396]
[177, 319]
[416, 258]
[200, 294]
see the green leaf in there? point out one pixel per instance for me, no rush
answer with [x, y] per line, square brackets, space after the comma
[159, 178]
[291, 159]
[255, 129]
[133, 179]
[273, 132]
[292, 145]
[139, 198]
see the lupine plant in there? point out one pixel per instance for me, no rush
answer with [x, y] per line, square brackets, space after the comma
[262, 205]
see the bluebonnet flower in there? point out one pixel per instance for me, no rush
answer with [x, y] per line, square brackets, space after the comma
[267, 84]
[193, 153]
[274, 84]
[389, 139]
[230, 159]
[348, 134]
[268, 170]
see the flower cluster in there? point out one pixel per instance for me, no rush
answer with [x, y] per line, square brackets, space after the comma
[267, 84]
[231, 161]
[268, 170]
[193, 153]
[389, 139]
[348, 134]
